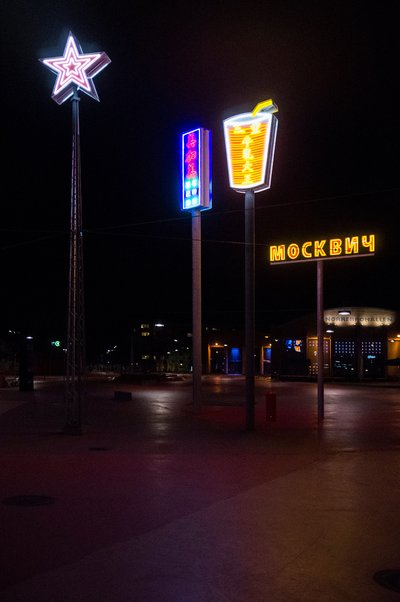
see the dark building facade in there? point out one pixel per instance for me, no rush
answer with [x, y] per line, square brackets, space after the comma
[359, 343]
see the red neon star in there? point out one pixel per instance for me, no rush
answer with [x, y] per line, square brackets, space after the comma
[75, 71]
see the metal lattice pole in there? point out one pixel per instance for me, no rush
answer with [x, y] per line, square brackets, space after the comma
[75, 71]
[75, 362]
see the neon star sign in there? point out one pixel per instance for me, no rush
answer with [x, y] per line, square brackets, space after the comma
[75, 70]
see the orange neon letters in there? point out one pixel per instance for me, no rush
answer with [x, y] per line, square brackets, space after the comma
[348, 246]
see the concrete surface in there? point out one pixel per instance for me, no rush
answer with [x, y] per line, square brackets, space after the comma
[156, 503]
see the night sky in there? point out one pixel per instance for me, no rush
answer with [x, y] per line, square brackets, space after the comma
[331, 68]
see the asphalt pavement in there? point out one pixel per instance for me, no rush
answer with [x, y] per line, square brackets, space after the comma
[155, 502]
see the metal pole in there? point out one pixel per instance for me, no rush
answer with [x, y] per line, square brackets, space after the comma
[249, 201]
[75, 336]
[320, 335]
[196, 308]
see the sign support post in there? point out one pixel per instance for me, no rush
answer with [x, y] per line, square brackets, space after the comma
[320, 337]
[75, 362]
[249, 201]
[196, 308]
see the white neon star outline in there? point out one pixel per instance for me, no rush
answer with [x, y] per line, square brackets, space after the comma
[75, 70]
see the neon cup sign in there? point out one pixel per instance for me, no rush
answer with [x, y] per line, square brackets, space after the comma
[250, 146]
[75, 70]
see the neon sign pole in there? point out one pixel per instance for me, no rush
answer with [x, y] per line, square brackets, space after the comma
[75, 71]
[249, 303]
[196, 197]
[320, 340]
[250, 146]
[319, 251]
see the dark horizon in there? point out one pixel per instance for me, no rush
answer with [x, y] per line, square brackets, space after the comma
[330, 71]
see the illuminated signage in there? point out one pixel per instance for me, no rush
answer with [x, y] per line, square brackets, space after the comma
[294, 345]
[196, 169]
[362, 316]
[75, 70]
[250, 146]
[332, 248]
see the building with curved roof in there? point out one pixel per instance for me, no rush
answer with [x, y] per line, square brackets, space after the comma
[359, 342]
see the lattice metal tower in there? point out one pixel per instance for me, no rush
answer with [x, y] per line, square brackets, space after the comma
[75, 72]
[75, 361]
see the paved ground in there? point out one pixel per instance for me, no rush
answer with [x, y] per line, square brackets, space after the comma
[155, 503]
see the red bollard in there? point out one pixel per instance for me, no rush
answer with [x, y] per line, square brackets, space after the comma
[270, 406]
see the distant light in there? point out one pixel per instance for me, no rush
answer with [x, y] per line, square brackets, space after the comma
[344, 312]
[235, 354]
[29, 338]
[329, 331]
[159, 325]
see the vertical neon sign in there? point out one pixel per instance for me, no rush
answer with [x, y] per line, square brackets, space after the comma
[196, 170]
